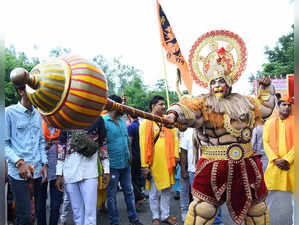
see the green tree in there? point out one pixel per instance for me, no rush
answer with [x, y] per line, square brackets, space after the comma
[281, 57]
[124, 75]
[118, 75]
[137, 94]
[13, 60]
[107, 69]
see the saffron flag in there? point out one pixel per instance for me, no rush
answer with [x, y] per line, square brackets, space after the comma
[170, 44]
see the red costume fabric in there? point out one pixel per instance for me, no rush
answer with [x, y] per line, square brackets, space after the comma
[239, 184]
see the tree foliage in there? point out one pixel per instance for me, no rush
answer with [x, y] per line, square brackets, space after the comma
[13, 60]
[281, 57]
[118, 74]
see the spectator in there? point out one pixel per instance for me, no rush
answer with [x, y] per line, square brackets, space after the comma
[119, 154]
[187, 170]
[51, 135]
[133, 131]
[159, 154]
[258, 144]
[280, 150]
[25, 155]
[78, 152]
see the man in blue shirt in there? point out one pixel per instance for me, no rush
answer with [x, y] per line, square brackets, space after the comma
[26, 156]
[120, 170]
[133, 131]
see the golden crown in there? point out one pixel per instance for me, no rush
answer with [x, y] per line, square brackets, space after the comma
[215, 54]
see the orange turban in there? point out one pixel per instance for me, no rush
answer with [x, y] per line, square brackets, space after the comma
[286, 99]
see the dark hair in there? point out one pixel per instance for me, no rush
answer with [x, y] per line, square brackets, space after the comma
[278, 95]
[115, 98]
[280, 101]
[17, 88]
[133, 116]
[155, 100]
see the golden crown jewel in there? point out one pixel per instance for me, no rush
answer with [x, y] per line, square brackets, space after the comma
[216, 54]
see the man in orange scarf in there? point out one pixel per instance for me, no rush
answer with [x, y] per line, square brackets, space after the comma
[51, 135]
[280, 150]
[159, 154]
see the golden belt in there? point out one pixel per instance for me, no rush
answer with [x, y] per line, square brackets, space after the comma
[233, 152]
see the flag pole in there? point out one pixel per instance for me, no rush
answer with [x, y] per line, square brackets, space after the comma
[165, 77]
[178, 91]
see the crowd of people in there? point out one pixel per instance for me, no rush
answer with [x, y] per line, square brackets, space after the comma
[83, 168]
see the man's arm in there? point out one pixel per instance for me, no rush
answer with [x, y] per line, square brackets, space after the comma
[103, 149]
[10, 155]
[130, 151]
[42, 144]
[130, 134]
[266, 97]
[290, 156]
[186, 112]
[184, 163]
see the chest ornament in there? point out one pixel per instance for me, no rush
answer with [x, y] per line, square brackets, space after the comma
[244, 133]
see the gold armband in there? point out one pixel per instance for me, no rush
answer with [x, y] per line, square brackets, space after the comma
[188, 114]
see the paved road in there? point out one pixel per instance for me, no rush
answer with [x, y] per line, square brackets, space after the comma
[279, 215]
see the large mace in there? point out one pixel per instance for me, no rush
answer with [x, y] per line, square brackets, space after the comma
[71, 92]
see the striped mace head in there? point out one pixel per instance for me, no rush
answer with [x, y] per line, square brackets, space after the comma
[71, 92]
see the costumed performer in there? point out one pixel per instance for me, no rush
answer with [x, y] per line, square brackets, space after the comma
[228, 170]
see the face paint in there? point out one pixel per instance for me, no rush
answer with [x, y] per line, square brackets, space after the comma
[218, 92]
[219, 87]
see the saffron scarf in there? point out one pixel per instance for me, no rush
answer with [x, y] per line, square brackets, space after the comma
[47, 132]
[169, 145]
[274, 133]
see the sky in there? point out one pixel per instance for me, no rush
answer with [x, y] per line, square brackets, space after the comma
[129, 29]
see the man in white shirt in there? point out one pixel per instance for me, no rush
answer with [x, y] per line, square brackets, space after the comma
[80, 170]
[187, 170]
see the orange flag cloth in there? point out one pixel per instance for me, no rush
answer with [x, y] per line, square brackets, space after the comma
[170, 44]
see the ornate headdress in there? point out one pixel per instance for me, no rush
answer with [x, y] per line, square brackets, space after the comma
[216, 54]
